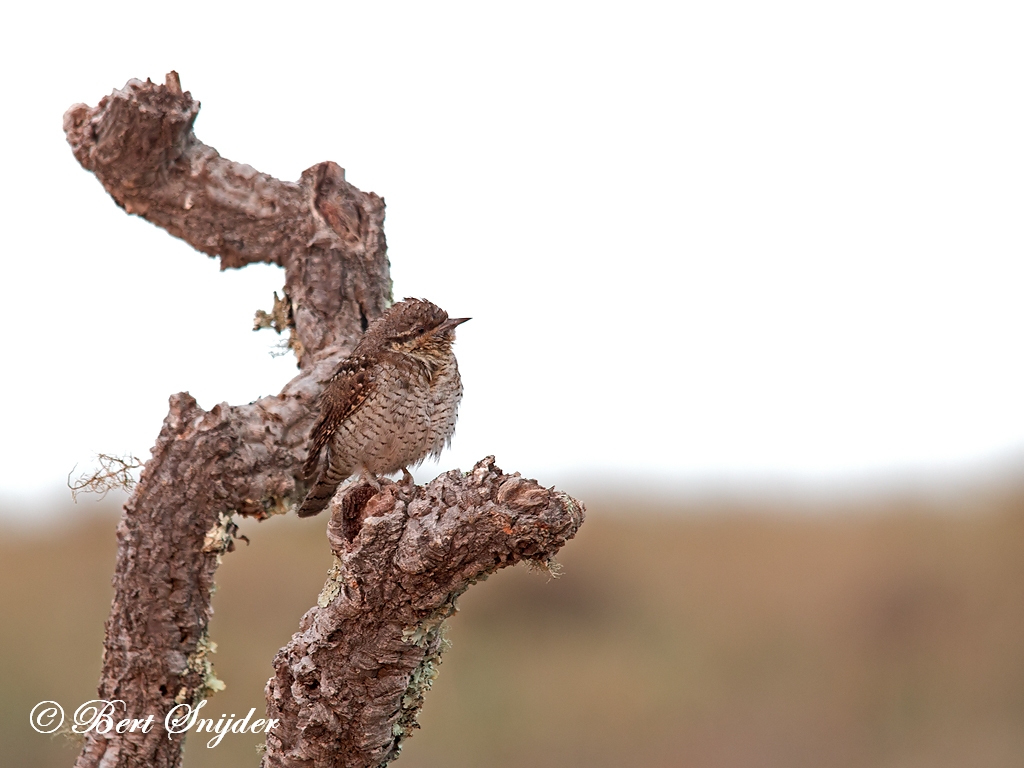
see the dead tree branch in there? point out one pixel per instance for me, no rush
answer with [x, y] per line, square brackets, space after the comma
[350, 682]
[328, 235]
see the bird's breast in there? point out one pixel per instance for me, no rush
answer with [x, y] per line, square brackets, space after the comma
[409, 415]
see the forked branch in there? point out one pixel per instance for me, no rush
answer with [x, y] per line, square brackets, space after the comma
[350, 682]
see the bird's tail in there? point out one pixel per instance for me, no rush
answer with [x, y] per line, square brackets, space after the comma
[323, 490]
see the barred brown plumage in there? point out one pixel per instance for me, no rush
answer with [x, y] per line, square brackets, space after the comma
[392, 403]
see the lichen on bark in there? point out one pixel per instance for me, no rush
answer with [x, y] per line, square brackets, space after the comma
[349, 684]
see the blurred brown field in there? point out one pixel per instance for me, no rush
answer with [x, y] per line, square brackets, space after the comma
[881, 632]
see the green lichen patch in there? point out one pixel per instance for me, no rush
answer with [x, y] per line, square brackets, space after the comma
[420, 681]
[200, 662]
[332, 587]
[280, 319]
[422, 633]
[221, 536]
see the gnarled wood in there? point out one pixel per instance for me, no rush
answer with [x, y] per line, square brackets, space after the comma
[350, 682]
[327, 234]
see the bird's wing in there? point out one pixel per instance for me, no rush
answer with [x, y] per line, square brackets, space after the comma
[344, 393]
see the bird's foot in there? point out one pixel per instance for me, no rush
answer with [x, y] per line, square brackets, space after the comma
[366, 477]
[407, 480]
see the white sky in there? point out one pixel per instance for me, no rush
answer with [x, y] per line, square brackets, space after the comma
[725, 240]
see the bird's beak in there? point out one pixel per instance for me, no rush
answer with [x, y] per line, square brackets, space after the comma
[451, 323]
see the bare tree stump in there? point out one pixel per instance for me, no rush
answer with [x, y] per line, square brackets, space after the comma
[350, 683]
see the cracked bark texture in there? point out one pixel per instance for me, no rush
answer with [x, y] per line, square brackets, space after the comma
[351, 681]
[349, 684]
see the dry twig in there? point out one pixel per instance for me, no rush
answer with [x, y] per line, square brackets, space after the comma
[113, 473]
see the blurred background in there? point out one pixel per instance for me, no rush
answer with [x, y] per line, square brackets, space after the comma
[745, 278]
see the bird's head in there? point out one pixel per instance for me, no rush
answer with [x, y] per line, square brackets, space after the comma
[417, 327]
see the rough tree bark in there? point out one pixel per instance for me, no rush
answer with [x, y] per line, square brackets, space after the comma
[348, 686]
